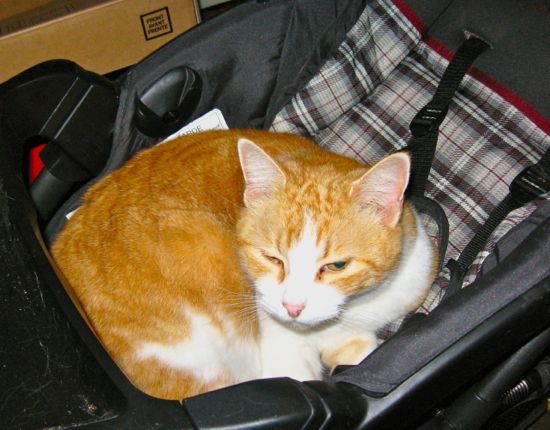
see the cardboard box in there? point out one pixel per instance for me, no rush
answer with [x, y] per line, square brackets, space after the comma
[99, 35]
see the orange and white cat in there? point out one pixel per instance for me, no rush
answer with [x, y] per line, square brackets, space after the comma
[235, 255]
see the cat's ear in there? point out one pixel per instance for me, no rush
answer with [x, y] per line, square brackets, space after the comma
[383, 186]
[261, 173]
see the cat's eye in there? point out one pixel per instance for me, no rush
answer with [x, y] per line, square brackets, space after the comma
[273, 259]
[337, 266]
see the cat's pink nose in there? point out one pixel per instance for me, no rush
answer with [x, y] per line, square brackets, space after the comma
[294, 309]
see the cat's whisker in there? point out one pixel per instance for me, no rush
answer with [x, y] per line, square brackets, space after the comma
[243, 298]
[246, 311]
[240, 305]
[250, 305]
[237, 298]
[229, 295]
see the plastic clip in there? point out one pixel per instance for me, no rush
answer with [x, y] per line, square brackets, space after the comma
[428, 119]
[531, 183]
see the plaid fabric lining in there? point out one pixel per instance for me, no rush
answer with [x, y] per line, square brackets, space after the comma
[361, 104]
[378, 42]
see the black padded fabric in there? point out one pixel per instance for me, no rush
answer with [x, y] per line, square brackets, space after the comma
[509, 242]
[518, 31]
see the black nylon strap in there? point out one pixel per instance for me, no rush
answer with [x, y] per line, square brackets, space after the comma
[459, 267]
[431, 208]
[425, 125]
[479, 240]
[531, 183]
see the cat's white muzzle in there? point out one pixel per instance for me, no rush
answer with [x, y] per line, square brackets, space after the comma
[319, 303]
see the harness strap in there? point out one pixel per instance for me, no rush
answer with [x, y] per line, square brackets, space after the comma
[425, 125]
[532, 182]
[528, 185]
[431, 208]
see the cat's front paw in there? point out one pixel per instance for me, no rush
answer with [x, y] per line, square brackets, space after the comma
[301, 362]
[349, 353]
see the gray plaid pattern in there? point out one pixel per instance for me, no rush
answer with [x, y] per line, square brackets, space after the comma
[378, 42]
[363, 99]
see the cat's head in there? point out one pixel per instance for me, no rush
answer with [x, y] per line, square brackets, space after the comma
[318, 231]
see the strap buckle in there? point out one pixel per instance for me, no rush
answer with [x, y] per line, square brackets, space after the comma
[531, 183]
[428, 119]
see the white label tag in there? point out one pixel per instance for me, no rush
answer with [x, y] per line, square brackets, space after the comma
[212, 120]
